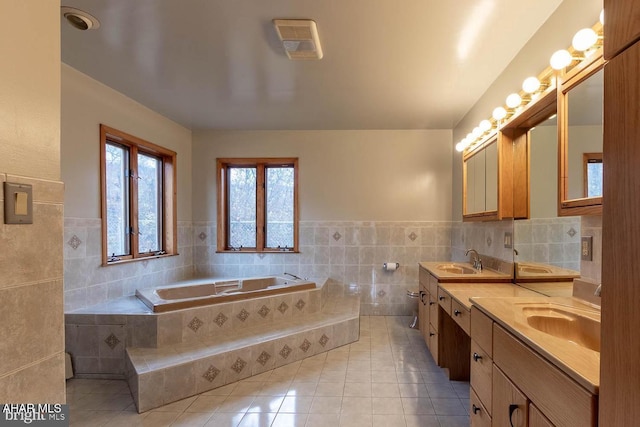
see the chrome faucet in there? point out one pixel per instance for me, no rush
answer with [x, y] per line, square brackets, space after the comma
[598, 290]
[477, 262]
[293, 275]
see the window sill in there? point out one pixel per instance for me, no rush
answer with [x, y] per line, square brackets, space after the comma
[246, 251]
[127, 261]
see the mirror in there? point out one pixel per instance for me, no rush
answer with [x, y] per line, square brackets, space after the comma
[546, 246]
[581, 138]
[480, 171]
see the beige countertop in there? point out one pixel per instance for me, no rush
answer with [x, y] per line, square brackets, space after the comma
[486, 275]
[530, 271]
[462, 292]
[579, 363]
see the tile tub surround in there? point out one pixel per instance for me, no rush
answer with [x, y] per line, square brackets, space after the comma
[349, 252]
[96, 337]
[87, 282]
[167, 374]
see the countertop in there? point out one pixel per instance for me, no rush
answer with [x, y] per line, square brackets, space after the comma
[579, 363]
[529, 271]
[462, 292]
[486, 275]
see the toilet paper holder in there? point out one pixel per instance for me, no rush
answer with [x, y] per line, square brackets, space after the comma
[390, 266]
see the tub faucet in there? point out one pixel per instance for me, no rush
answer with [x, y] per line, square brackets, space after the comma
[598, 290]
[293, 275]
[477, 262]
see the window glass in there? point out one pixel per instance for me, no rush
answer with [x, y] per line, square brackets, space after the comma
[242, 207]
[149, 203]
[117, 196]
[279, 207]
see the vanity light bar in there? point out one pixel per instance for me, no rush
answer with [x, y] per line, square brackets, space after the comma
[584, 43]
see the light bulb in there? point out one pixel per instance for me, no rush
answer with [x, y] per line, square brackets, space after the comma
[476, 132]
[513, 100]
[602, 16]
[584, 39]
[499, 113]
[531, 84]
[560, 59]
[460, 146]
[485, 125]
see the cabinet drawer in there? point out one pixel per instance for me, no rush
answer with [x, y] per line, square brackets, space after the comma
[562, 400]
[433, 285]
[510, 405]
[461, 315]
[536, 419]
[444, 299]
[478, 413]
[482, 330]
[423, 277]
[433, 310]
[481, 374]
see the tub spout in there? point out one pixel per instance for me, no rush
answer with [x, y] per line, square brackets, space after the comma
[293, 275]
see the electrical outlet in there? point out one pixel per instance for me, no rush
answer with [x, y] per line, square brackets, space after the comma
[586, 248]
[508, 239]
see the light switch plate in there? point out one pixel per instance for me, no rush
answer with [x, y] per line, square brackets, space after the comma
[508, 239]
[18, 199]
[586, 248]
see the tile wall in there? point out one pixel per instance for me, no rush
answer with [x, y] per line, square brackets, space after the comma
[87, 282]
[31, 304]
[485, 237]
[592, 226]
[349, 252]
[554, 241]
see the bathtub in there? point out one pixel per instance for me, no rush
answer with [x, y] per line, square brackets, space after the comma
[200, 293]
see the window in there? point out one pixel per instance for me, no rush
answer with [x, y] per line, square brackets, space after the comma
[257, 205]
[138, 198]
[592, 172]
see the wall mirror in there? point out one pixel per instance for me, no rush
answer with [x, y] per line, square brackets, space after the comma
[546, 247]
[480, 179]
[580, 106]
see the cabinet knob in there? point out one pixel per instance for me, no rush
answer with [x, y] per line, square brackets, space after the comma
[457, 312]
[475, 409]
[441, 298]
[431, 302]
[431, 334]
[476, 357]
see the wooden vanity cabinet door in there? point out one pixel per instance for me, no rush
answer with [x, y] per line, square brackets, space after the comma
[510, 406]
[478, 413]
[536, 419]
[461, 315]
[434, 320]
[481, 372]
[623, 25]
[433, 343]
[444, 299]
[482, 330]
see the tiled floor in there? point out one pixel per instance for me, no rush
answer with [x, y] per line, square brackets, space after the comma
[385, 379]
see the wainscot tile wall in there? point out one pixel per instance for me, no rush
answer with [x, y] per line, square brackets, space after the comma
[554, 241]
[87, 282]
[349, 252]
[592, 226]
[485, 237]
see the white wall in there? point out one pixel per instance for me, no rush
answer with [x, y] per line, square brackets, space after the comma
[543, 172]
[87, 103]
[31, 303]
[582, 139]
[402, 175]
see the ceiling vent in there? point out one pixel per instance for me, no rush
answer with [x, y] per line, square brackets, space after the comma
[299, 38]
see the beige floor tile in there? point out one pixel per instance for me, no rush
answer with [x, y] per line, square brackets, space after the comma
[221, 391]
[356, 405]
[302, 389]
[388, 421]
[385, 390]
[192, 419]
[247, 389]
[417, 406]
[274, 389]
[126, 419]
[448, 407]
[453, 421]
[237, 404]
[387, 405]
[325, 405]
[266, 404]
[333, 376]
[358, 376]
[330, 389]
[413, 390]
[208, 404]
[263, 419]
[358, 389]
[178, 406]
[422, 421]
[296, 404]
[322, 420]
[387, 376]
[161, 419]
[356, 420]
[289, 420]
[220, 419]
[90, 418]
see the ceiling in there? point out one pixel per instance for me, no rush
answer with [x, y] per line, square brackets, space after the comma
[218, 64]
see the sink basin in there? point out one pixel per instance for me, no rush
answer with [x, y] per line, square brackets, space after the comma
[456, 269]
[533, 270]
[574, 327]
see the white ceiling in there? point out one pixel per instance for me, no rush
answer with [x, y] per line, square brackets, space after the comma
[218, 64]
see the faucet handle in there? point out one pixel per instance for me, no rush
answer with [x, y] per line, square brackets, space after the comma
[598, 290]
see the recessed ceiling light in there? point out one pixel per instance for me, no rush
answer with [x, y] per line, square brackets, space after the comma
[79, 19]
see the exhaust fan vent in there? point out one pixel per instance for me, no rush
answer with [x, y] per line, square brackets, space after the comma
[299, 38]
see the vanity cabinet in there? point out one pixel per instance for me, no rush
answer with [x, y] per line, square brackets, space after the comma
[428, 311]
[511, 385]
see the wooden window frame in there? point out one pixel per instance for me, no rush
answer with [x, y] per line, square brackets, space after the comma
[169, 233]
[586, 159]
[222, 166]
